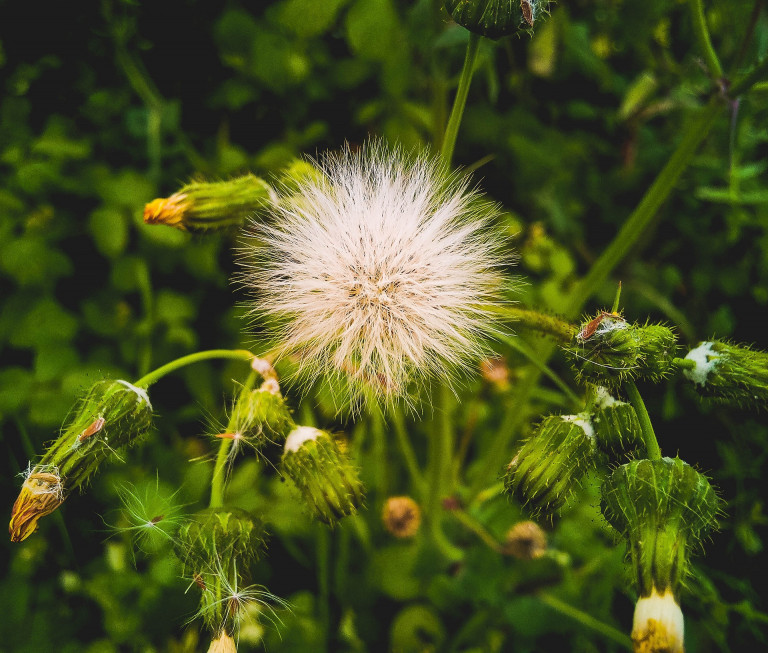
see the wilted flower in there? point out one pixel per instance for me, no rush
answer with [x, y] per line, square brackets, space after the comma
[401, 516]
[381, 271]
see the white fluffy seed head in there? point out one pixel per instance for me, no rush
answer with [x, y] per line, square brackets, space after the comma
[381, 271]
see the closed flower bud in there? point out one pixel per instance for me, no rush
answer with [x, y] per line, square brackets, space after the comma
[112, 415]
[617, 429]
[551, 464]
[663, 508]
[261, 415]
[204, 206]
[658, 347]
[606, 350]
[526, 540]
[495, 18]
[729, 373]
[401, 516]
[323, 473]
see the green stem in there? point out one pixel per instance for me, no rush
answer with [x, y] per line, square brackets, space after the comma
[518, 345]
[407, 451]
[478, 529]
[702, 36]
[219, 477]
[154, 376]
[545, 323]
[757, 74]
[643, 215]
[649, 437]
[452, 129]
[614, 634]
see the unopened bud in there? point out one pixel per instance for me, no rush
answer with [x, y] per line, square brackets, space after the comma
[495, 18]
[401, 516]
[526, 540]
[730, 373]
[663, 508]
[551, 464]
[658, 347]
[205, 206]
[262, 415]
[113, 415]
[323, 473]
[617, 429]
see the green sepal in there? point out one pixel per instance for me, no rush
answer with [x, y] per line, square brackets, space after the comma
[663, 508]
[658, 348]
[617, 431]
[323, 473]
[551, 464]
[262, 415]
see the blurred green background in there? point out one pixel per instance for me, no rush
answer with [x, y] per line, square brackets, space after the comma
[106, 105]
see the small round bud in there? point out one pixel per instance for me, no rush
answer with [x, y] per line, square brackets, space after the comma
[111, 416]
[526, 540]
[658, 347]
[261, 415]
[551, 464]
[206, 206]
[495, 18]
[606, 350]
[663, 508]
[323, 473]
[617, 429]
[401, 516]
[658, 624]
[729, 373]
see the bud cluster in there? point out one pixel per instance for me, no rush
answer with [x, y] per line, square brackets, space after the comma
[608, 351]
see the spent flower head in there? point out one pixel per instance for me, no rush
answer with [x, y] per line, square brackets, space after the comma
[380, 271]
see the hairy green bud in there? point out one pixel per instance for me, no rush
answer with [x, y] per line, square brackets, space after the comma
[617, 429]
[663, 508]
[495, 18]
[729, 373]
[206, 206]
[323, 473]
[551, 464]
[262, 415]
[658, 347]
[111, 416]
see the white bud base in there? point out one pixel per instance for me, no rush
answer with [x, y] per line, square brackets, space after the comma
[658, 624]
[706, 361]
[299, 436]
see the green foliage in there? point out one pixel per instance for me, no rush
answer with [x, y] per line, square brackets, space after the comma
[106, 106]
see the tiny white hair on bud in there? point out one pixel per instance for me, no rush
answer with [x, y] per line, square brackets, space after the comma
[381, 270]
[604, 398]
[141, 393]
[658, 624]
[299, 436]
[706, 360]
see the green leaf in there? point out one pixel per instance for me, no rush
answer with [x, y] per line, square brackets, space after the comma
[110, 230]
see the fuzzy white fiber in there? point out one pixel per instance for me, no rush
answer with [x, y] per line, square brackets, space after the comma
[381, 270]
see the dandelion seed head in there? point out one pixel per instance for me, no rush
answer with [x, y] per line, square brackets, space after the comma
[381, 271]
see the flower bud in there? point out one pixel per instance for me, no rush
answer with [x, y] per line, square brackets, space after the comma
[495, 18]
[112, 415]
[401, 516]
[526, 541]
[617, 429]
[324, 475]
[658, 347]
[223, 644]
[551, 464]
[663, 508]
[205, 206]
[729, 373]
[606, 350]
[261, 415]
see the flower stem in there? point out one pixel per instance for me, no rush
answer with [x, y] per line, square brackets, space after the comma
[545, 323]
[478, 529]
[702, 36]
[406, 449]
[218, 478]
[452, 129]
[649, 437]
[155, 375]
[614, 634]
